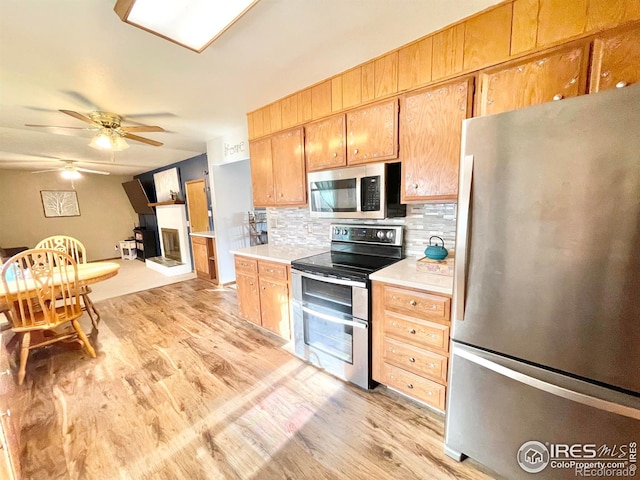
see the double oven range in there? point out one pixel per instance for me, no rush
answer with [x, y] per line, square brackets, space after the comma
[332, 301]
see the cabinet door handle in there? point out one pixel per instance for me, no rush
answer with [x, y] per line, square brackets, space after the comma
[413, 303]
[409, 385]
[621, 84]
[412, 331]
[335, 154]
[281, 194]
[263, 288]
[558, 96]
[355, 151]
[412, 360]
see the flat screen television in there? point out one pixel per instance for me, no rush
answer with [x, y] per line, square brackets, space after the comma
[138, 197]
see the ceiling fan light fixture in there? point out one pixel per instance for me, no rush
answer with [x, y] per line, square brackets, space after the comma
[112, 142]
[70, 174]
[194, 24]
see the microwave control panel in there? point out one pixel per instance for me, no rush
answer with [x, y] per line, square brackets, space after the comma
[370, 194]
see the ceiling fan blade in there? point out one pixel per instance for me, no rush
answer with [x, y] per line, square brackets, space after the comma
[143, 140]
[50, 170]
[81, 117]
[55, 126]
[142, 128]
[86, 170]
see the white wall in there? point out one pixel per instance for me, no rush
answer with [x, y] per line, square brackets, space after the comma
[231, 199]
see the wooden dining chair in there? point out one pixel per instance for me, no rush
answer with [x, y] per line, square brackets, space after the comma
[42, 291]
[76, 250]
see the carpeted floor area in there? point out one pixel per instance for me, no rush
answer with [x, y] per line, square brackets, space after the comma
[133, 276]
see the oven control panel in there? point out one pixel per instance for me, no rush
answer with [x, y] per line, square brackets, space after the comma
[380, 234]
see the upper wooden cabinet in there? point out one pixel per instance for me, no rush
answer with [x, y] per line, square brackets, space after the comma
[557, 75]
[277, 169]
[615, 61]
[262, 173]
[288, 167]
[430, 140]
[372, 133]
[325, 144]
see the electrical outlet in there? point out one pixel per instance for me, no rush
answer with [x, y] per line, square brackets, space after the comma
[116, 247]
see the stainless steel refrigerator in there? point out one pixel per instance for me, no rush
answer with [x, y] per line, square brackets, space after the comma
[545, 357]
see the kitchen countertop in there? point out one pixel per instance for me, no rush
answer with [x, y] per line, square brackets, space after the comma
[278, 253]
[209, 234]
[404, 273]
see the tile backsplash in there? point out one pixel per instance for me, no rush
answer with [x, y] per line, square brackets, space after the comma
[294, 226]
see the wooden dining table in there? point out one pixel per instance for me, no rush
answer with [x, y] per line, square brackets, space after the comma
[88, 273]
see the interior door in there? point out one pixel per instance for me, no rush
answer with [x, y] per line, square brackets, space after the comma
[197, 205]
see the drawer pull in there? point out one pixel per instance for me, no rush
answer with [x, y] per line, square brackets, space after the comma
[335, 154]
[393, 297]
[355, 151]
[432, 365]
[270, 270]
[432, 335]
[409, 385]
[413, 303]
[412, 331]
[621, 84]
[264, 288]
[434, 307]
[430, 393]
[412, 360]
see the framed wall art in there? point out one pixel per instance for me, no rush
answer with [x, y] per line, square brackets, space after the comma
[167, 185]
[60, 203]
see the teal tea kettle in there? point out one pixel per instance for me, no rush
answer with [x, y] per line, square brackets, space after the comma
[436, 252]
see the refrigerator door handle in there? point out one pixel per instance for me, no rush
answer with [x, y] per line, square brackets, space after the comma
[464, 205]
[556, 390]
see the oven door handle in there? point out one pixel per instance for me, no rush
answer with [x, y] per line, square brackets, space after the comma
[320, 278]
[331, 318]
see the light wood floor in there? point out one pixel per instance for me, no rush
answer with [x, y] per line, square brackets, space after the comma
[184, 389]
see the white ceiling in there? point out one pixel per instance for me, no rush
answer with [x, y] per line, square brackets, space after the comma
[78, 55]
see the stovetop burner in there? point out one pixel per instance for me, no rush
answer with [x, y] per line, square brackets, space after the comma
[356, 252]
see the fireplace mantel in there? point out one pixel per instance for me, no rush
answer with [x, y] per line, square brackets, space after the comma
[167, 202]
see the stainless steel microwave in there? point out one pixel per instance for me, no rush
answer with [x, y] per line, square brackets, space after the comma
[366, 191]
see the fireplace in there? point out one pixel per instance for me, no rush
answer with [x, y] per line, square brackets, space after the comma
[171, 243]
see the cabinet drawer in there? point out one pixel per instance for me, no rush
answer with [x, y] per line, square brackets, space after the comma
[414, 386]
[416, 360]
[199, 240]
[273, 270]
[417, 303]
[246, 264]
[419, 333]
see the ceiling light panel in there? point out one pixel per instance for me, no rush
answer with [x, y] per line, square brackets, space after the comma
[191, 23]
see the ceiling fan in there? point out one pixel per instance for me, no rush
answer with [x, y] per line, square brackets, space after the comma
[111, 134]
[70, 171]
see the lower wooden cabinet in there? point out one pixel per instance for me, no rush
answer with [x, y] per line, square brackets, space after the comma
[263, 294]
[410, 348]
[204, 257]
